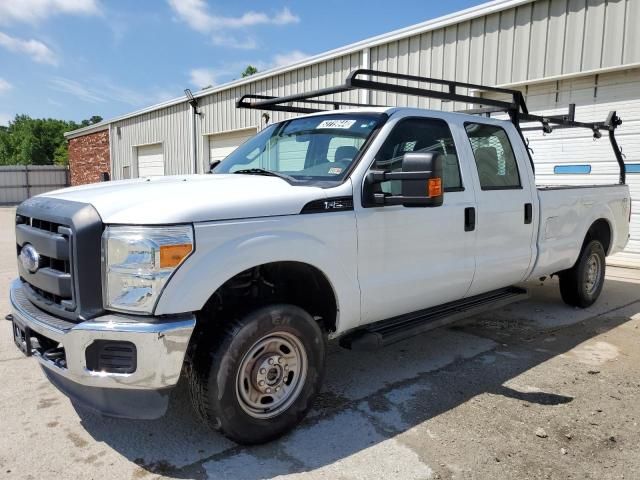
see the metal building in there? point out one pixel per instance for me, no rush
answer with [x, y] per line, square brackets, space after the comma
[557, 52]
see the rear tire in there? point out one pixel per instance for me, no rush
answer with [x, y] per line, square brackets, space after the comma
[256, 378]
[581, 285]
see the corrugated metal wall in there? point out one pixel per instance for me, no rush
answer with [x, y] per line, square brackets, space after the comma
[220, 113]
[169, 126]
[544, 38]
[19, 182]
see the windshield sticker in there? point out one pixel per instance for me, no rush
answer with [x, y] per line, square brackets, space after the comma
[336, 124]
[335, 171]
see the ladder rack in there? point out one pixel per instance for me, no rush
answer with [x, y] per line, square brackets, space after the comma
[448, 90]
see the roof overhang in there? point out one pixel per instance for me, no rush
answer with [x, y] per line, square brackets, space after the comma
[96, 127]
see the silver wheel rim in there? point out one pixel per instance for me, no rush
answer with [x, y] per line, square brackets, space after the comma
[593, 273]
[271, 375]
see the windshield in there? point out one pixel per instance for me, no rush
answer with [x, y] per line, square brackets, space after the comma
[305, 149]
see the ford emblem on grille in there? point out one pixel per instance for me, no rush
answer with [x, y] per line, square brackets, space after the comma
[30, 258]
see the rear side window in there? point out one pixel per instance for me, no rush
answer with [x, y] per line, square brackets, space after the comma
[420, 135]
[495, 160]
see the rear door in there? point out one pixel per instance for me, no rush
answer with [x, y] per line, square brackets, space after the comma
[411, 258]
[505, 198]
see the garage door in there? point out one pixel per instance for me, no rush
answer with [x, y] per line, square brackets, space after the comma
[222, 144]
[572, 157]
[150, 160]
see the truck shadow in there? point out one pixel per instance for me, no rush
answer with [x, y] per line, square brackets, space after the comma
[371, 397]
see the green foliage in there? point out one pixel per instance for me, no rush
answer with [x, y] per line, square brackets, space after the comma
[37, 141]
[91, 121]
[61, 155]
[250, 70]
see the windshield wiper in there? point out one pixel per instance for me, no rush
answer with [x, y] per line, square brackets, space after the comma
[262, 171]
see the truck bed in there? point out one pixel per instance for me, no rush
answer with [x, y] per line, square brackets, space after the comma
[566, 214]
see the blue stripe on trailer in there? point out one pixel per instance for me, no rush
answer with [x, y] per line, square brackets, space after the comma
[633, 167]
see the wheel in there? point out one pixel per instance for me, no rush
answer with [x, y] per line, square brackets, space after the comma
[580, 286]
[258, 376]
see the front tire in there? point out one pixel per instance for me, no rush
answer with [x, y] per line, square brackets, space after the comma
[581, 285]
[257, 378]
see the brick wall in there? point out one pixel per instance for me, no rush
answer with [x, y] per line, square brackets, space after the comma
[89, 157]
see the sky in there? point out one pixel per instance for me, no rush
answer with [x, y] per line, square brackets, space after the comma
[71, 59]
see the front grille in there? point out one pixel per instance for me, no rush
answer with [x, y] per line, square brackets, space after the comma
[52, 283]
[50, 297]
[66, 236]
[43, 224]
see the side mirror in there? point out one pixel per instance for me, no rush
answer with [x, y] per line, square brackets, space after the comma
[421, 178]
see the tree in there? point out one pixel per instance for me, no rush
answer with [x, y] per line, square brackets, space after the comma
[250, 70]
[61, 155]
[37, 141]
[91, 121]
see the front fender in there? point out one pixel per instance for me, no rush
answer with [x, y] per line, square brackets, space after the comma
[327, 242]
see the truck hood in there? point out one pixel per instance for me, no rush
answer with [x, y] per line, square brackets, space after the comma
[191, 198]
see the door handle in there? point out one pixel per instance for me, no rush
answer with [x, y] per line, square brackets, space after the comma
[528, 213]
[469, 219]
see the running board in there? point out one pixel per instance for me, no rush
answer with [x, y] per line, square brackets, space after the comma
[386, 332]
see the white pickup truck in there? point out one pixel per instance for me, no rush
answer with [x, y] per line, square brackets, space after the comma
[367, 224]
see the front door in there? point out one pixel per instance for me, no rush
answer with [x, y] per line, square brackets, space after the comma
[411, 258]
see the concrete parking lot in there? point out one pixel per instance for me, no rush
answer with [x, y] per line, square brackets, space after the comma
[535, 390]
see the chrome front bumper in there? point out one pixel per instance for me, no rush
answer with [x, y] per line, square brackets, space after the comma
[160, 345]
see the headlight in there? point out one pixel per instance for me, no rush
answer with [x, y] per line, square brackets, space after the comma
[138, 261]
